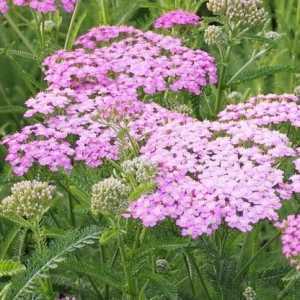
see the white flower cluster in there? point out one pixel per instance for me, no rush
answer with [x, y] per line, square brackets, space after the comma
[28, 199]
[183, 109]
[162, 265]
[109, 196]
[244, 12]
[249, 293]
[214, 35]
[142, 170]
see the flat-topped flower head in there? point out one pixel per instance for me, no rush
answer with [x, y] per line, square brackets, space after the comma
[290, 239]
[3, 7]
[142, 170]
[214, 35]
[244, 12]
[28, 199]
[78, 128]
[295, 179]
[200, 190]
[109, 196]
[114, 59]
[42, 6]
[96, 88]
[175, 18]
[265, 110]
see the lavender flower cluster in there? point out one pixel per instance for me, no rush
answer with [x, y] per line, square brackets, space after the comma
[42, 6]
[175, 18]
[104, 77]
[200, 189]
[291, 239]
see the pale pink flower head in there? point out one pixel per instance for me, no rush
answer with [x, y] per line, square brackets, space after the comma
[290, 239]
[42, 6]
[176, 18]
[3, 7]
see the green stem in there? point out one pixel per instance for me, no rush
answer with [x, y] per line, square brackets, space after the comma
[38, 236]
[222, 79]
[295, 43]
[106, 287]
[253, 57]
[103, 12]
[71, 26]
[188, 269]
[202, 280]
[94, 286]
[125, 269]
[254, 257]
[19, 33]
[71, 211]
[8, 241]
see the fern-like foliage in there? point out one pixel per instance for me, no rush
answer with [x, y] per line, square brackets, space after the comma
[262, 72]
[10, 267]
[40, 264]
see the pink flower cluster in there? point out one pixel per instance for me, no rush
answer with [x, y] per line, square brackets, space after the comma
[176, 17]
[90, 87]
[131, 61]
[3, 7]
[265, 110]
[296, 178]
[291, 239]
[69, 116]
[43, 6]
[200, 189]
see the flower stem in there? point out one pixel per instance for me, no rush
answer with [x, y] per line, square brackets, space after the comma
[254, 257]
[124, 264]
[222, 79]
[202, 281]
[72, 23]
[19, 33]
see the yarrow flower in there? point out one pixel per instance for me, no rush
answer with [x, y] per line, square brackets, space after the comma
[214, 35]
[199, 190]
[92, 87]
[148, 62]
[28, 199]
[109, 196]
[245, 12]
[175, 18]
[249, 293]
[141, 169]
[290, 239]
[295, 179]
[272, 35]
[3, 6]
[162, 265]
[265, 110]
[43, 6]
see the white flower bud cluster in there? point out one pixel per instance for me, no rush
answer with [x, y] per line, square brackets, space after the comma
[142, 170]
[214, 35]
[272, 35]
[244, 12]
[109, 196]
[28, 199]
[162, 265]
[183, 109]
[297, 91]
[217, 6]
[49, 25]
[234, 97]
[249, 293]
